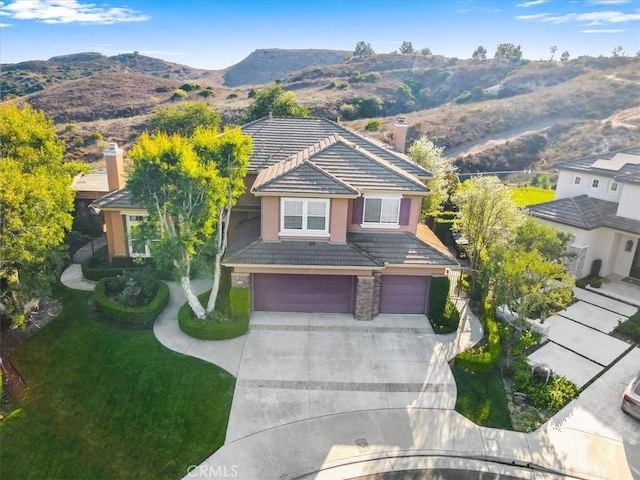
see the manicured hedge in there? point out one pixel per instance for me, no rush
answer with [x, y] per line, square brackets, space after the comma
[484, 358]
[443, 314]
[218, 325]
[239, 303]
[130, 315]
[98, 266]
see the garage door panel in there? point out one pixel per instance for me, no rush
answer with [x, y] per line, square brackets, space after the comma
[302, 293]
[403, 294]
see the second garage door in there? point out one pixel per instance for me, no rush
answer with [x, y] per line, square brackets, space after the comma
[403, 294]
[303, 293]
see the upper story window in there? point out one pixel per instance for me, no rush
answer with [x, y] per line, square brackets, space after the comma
[576, 180]
[136, 249]
[381, 210]
[304, 216]
[613, 186]
[595, 183]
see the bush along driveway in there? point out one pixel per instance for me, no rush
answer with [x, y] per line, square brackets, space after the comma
[110, 403]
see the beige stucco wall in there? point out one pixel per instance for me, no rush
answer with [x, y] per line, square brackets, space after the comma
[116, 238]
[628, 206]
[414, 218]
[270, 218]
[339, 218]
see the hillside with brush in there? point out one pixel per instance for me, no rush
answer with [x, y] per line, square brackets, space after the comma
[490, 115]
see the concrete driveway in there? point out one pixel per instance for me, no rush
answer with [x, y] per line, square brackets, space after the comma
[299, 366]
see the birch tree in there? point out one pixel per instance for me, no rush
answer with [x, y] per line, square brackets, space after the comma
[188, 186]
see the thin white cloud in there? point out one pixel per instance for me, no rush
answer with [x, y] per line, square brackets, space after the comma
[605, 30]
[608, 2]
[591, 18]
[532, 3]
[70, 11]
[5, 25]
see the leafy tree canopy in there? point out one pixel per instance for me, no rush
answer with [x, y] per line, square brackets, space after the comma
[276, 101]
[363, 49]
[36, 203]
[407, 47]
[508, 51]
[479, 53]
[185, 119]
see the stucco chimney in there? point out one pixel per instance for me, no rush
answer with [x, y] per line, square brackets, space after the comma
[400, 128]
[115, 167]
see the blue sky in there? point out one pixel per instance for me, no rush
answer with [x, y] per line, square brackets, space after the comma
[215, 34]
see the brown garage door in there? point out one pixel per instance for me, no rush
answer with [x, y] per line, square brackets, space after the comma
[403, 294]
[303, 293]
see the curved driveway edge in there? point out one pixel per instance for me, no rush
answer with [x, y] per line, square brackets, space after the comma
[355, 444]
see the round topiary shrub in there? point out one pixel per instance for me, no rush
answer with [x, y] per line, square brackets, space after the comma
[134, 298]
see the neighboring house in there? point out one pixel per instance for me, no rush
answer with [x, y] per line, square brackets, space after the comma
[330, 222]
[598, 201]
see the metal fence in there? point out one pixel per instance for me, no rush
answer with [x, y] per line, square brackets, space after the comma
[89, 249]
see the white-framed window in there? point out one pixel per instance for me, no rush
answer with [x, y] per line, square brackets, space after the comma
[613, 186]
[595, 183]
[135, 248]
[304, 216]
[381, 211]
[576, 180]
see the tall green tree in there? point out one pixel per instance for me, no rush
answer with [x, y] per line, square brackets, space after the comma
[479, 53]
[188, 186]
[406, 48]
[36, 205]
[363, 49]
[487, 216]
[185, 119]
[426, 154]
[276, 101]
[528, 274]
[508, 51]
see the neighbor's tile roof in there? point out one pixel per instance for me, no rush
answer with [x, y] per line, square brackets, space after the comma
[277, 139]
[585, 213]
[372, 250]
[586, 164]
[117, 200]
[335, 166]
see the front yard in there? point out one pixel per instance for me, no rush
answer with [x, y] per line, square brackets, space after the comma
[104, 402]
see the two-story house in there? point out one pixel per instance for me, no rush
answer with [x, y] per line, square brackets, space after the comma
[330, 222]
[598, 201]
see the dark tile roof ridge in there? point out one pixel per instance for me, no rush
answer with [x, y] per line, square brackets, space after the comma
[400, 156]
[332, 177]
[366, 254]
[109, 197]
[384, 163]
[268, 175]
[447, 257]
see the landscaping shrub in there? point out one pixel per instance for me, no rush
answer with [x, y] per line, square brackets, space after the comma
[582, 282]
[229, 319]
[629, 329]
[373, 126]
[98, 266]
[483, 358]
[239, 306]
[595, 282]
[443, 314]
[143, 315]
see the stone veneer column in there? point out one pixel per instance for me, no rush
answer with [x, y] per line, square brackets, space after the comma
[240, 280]
[364, 298]
[377, 282]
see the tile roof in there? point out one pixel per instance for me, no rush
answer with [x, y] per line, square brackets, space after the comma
[585, 213]
[372, 250]
[600, 163]
[276, 139]
[116, 200]
[399, 248]
[298, 175]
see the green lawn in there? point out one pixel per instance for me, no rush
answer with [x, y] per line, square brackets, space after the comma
[482, 398]
[524, 196]
[110, 403]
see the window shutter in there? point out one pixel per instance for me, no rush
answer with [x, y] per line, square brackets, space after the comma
[405, 211]
[358, 207]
